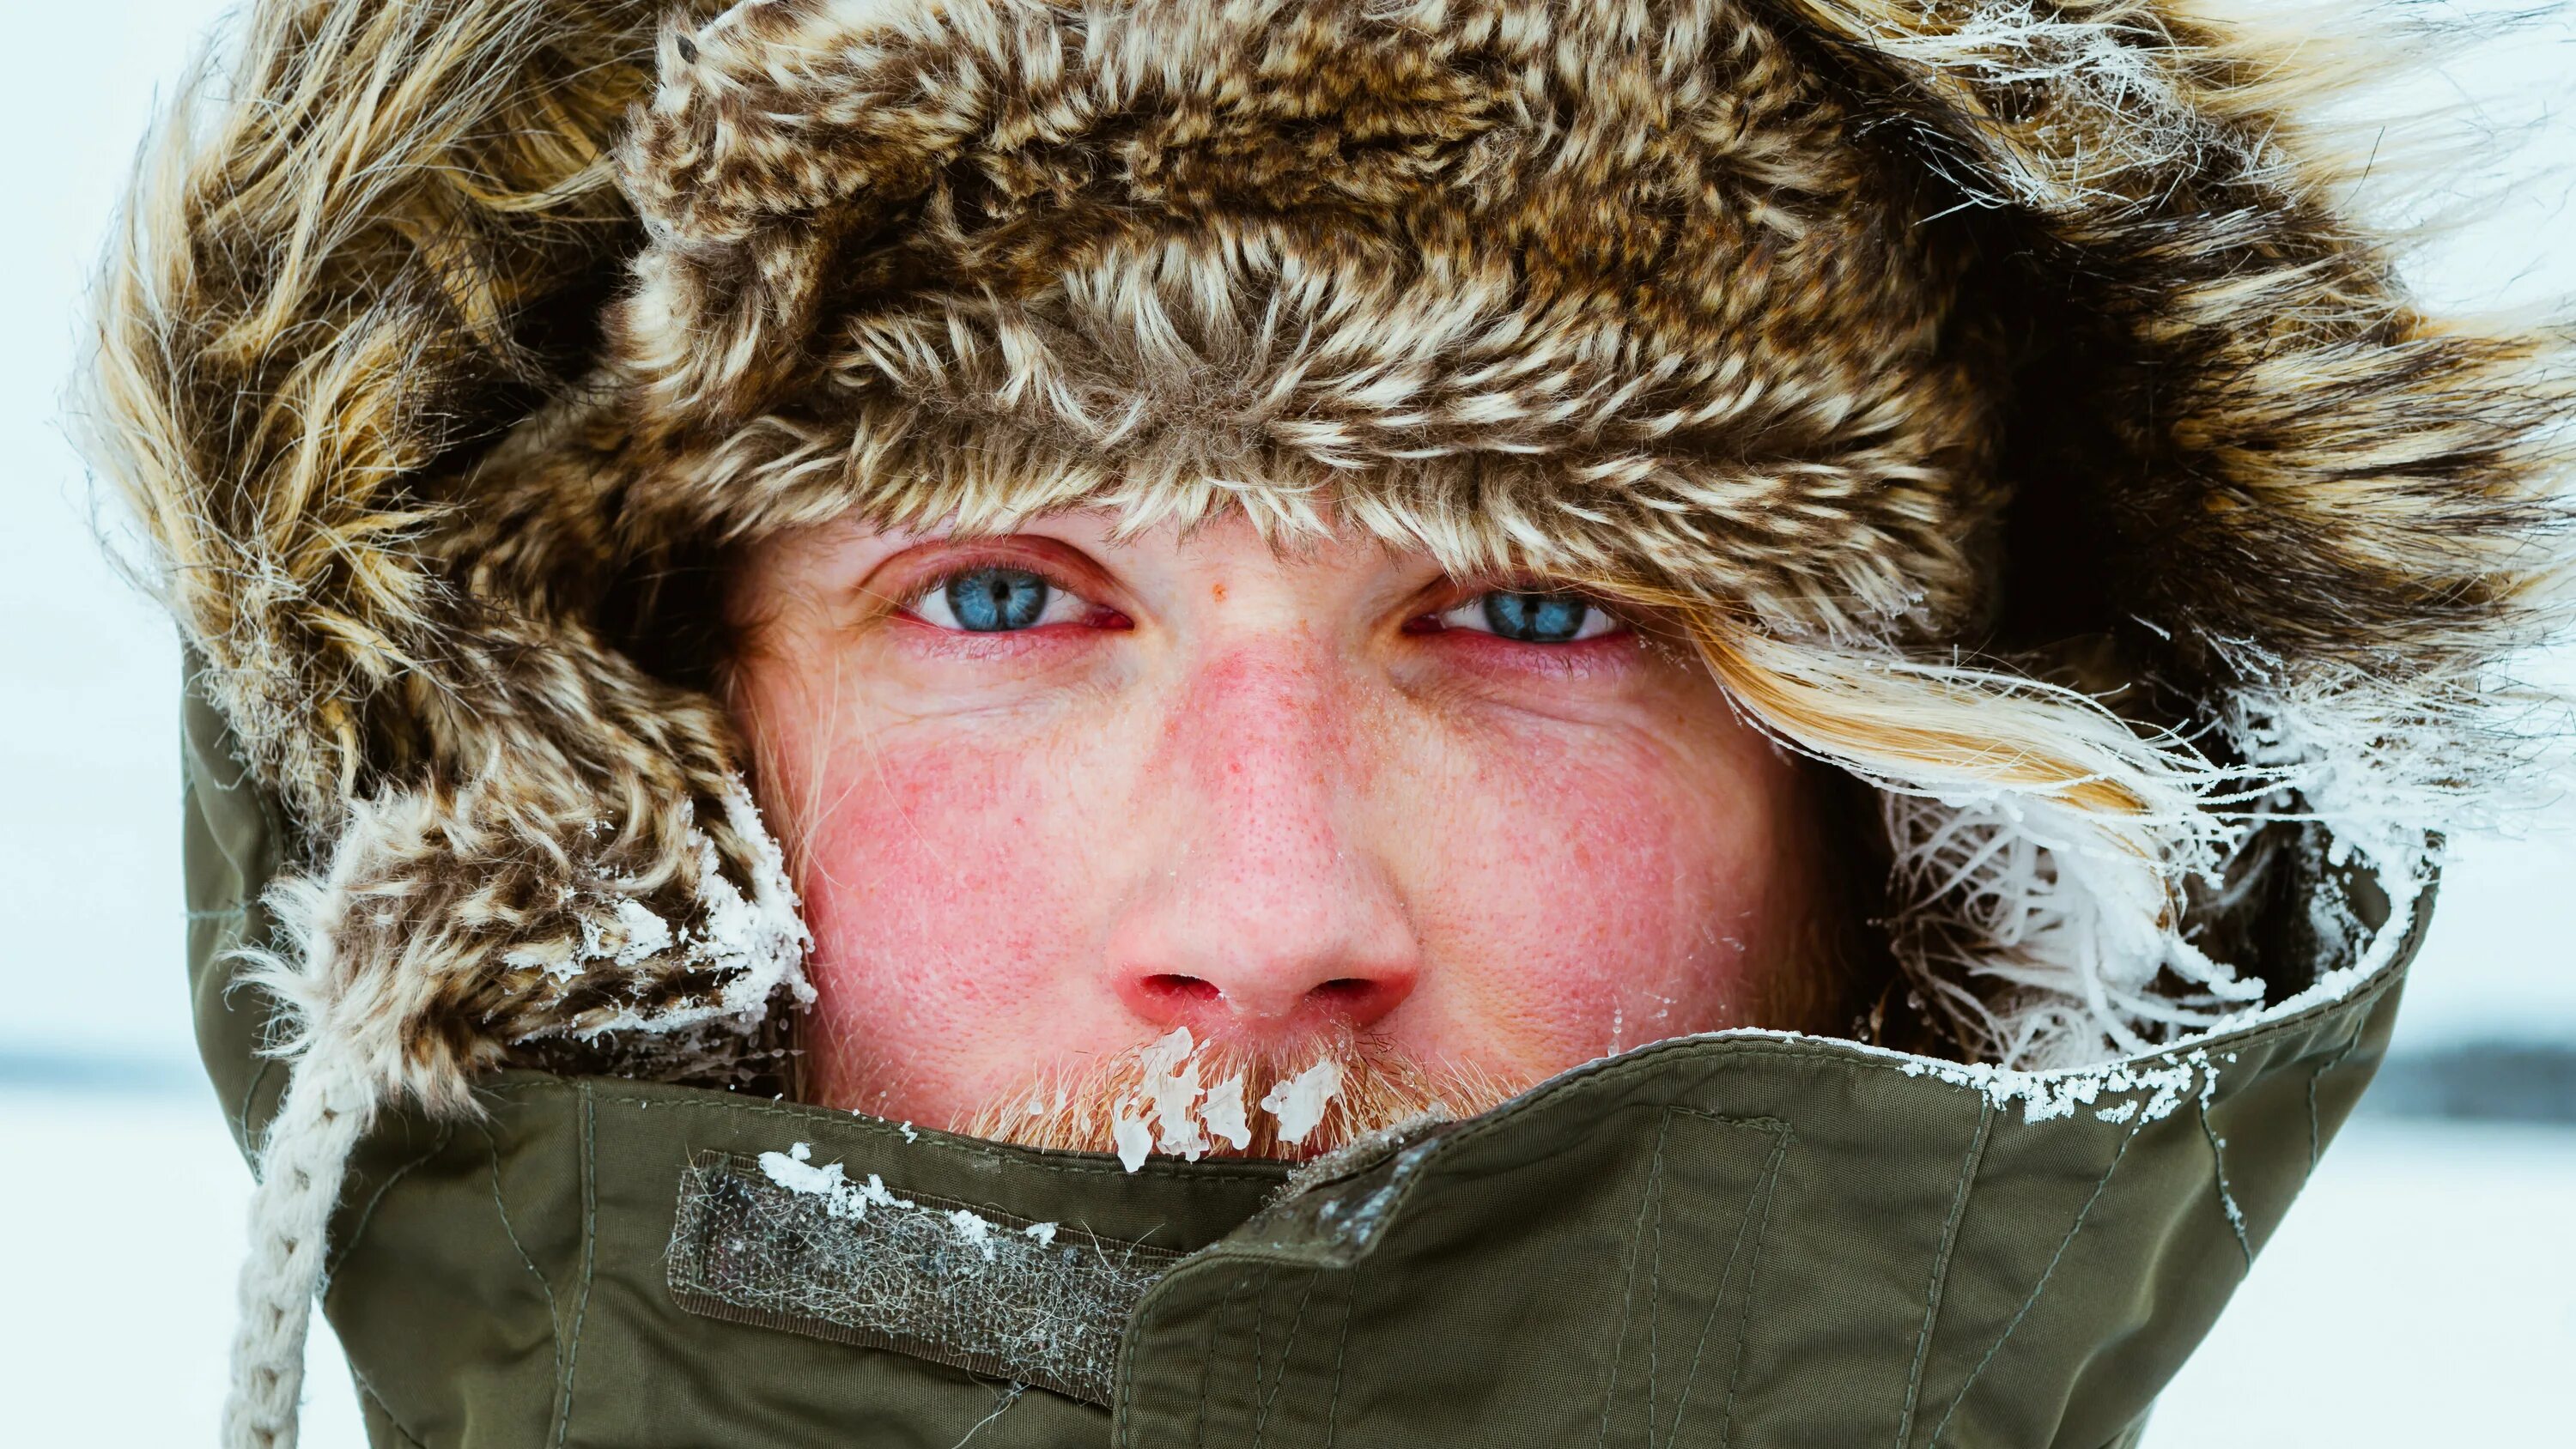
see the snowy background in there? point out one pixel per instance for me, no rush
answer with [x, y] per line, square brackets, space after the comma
[2424, 1290]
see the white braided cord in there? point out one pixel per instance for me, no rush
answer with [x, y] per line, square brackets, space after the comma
[302, 1163]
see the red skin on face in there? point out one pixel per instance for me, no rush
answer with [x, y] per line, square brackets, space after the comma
[1249, 793]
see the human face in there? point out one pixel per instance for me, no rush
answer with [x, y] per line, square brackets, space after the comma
[1051, 795]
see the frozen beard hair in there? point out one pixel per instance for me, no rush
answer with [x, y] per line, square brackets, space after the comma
[1186, 1098]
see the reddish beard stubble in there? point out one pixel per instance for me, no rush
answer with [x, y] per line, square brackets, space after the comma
[1080, 1107]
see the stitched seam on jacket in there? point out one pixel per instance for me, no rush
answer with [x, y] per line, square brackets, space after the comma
[1655, 1286]
[1341, 1347]
[367, 1391]
[589, 1255]
[2037, 1288]
[1287, 1348]
[1969, 1162]
[1121, 1416]
[501, 1209]
[1260, 1315]
[1651, 1207]
[1207, 1361]
[2227, 1204]
[2316, 1148]
[1628, 1295]
[1770, 1190]
[367, 1214]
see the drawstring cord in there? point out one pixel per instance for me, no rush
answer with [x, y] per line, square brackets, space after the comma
[302, 1163]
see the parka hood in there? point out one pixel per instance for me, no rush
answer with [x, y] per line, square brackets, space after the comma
[2016, 364]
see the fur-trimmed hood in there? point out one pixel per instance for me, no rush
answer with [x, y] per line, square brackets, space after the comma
[2022, 357]
[447, 352]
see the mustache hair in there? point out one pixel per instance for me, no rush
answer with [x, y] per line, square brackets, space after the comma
[1182, 1097]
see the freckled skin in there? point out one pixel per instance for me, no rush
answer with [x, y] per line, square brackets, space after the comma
[1248, 793]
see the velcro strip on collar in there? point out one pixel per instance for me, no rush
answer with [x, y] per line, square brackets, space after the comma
[782, 1245]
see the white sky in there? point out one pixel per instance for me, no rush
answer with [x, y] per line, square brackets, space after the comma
[88, 672]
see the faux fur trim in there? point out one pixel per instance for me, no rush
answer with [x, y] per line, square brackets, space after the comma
[1918, 331]
[427, 975]
[1532, 284]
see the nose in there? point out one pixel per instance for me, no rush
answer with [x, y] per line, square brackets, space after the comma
[1266, 914]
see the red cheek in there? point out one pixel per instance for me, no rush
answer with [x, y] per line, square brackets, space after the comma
[1576, 896]
[933, 912]
[914, 825]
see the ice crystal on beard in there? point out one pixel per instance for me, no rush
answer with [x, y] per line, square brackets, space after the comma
[1135, 1140]
[1168, 1110]
[1170, 1087]
[1300, 1102]
[647, 934]
[1223, 1113]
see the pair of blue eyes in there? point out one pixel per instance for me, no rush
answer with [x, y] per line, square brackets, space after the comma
[1002, 600]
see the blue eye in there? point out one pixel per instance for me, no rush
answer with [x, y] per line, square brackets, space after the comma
[1537, 618]
[996, 600]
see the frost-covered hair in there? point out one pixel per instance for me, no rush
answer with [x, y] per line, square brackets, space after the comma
[2039, 846]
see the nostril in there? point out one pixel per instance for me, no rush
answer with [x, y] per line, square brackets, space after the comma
[1358, 1000]
[1256, 999]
